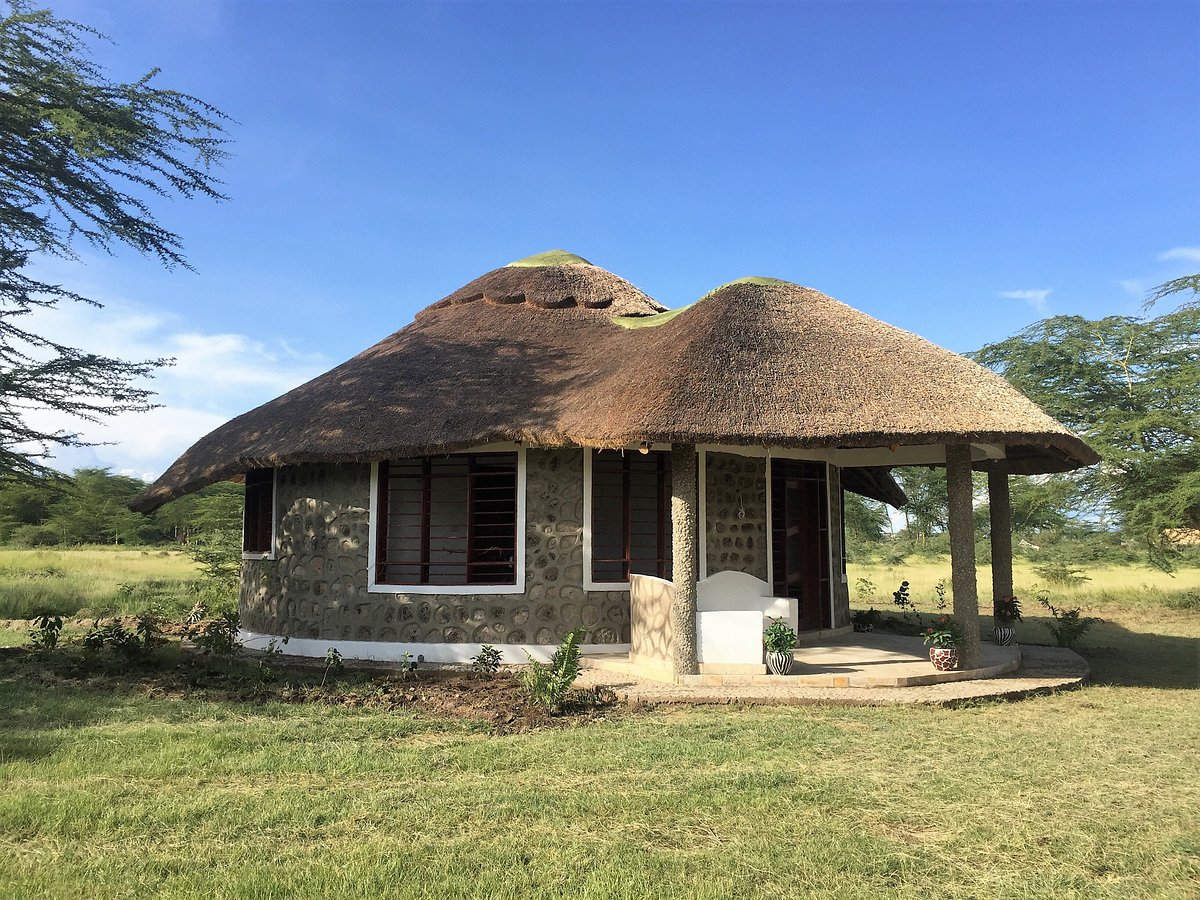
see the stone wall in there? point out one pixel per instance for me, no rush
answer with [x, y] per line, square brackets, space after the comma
[735, 535]
[317, 585]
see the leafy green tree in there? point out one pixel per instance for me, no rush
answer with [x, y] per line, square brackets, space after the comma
[94, 510]
[866, 520]
[81, 157]
[27, 503]
[926, 512]
[214, 529]
[1131, 388]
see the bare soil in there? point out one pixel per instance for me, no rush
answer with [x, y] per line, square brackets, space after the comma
[177, 671]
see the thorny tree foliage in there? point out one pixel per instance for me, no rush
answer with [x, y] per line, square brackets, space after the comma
[1131, 387]
[80, 157]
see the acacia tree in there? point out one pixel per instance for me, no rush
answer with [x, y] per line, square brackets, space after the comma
[81, 159]
[1131, 388]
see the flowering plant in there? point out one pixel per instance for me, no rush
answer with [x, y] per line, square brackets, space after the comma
[943, 633]
[1006, 609]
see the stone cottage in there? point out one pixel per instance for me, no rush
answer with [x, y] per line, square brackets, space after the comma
[503, 468]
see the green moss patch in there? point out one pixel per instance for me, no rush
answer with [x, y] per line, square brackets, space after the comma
[550, 258]
[649, 321]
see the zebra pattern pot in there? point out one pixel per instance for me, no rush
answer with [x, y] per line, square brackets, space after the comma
[779, 662]
[1004, 634]
[944, 659]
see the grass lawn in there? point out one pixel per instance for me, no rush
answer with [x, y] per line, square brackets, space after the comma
[110, 789]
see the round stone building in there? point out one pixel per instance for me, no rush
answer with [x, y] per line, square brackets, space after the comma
[549, 449]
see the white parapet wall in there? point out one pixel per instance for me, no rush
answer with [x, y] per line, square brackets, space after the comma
[390, 651]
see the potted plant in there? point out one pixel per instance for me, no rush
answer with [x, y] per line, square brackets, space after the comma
[1006, 611]
[866, 620]
[780, 641]
[943, 638]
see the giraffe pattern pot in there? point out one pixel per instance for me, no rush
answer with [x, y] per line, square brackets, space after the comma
[944, 659]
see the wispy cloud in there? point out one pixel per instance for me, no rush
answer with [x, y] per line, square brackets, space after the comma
[1186, 254]
[215, 377]
[1034, 297]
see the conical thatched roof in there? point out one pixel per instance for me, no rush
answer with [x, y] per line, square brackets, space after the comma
[554, 351]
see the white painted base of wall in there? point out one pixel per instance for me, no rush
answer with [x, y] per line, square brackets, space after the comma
[390, 651]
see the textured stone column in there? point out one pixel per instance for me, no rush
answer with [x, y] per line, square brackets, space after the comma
[962, 551]
[1000, 508]
[684, 570]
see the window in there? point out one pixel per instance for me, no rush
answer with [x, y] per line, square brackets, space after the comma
[258, 520]
[631, 516]
[447, 521]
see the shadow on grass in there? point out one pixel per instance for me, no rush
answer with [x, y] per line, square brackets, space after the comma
[1121, 657]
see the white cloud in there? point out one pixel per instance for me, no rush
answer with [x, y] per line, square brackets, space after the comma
[1135, 286]
[1187, 254]
[216, 376]
[1034, 297]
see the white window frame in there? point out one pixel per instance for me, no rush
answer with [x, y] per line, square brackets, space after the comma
[374, 587]
[588, 583]
[268, 554]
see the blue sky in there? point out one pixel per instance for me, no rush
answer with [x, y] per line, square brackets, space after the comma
[956, 169]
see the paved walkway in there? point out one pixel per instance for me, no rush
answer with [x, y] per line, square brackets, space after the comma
[1043, 669]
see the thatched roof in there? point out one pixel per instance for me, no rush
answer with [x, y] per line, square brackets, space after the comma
[554, 351]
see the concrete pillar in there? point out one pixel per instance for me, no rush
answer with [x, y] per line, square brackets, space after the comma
[962, 551]
[685, 569]
[1000, 508]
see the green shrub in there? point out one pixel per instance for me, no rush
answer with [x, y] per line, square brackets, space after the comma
[219, 636]
[547, 685]
[779, 637]
[1070, 625]
[1061, 574]
[486, 662]
[1187, 600]
[44, 636]
[113, 636]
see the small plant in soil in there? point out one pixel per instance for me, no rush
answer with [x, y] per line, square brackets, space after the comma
[866, 619]
[1070, 625]
[865, 589]
[219, 636]
[333, 664]
[903, 601]
[266, 669]
[44, 635]
[547, 685]
[486, 663]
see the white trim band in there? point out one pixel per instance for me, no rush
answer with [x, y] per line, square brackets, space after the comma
[393, 651]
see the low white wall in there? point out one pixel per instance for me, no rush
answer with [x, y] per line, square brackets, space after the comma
[390, 651]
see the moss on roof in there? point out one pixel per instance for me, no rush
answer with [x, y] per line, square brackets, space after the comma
[551, 258]
[649, 321]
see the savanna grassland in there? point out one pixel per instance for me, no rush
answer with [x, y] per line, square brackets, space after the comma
[114, 787]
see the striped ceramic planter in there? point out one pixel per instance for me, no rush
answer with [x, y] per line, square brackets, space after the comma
[1004, 634]
[944, 659]
[779, 662]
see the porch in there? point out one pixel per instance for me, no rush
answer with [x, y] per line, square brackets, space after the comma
[1041, 670]
[847, 660]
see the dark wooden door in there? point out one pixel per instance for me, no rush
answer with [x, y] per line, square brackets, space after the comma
[800, 539]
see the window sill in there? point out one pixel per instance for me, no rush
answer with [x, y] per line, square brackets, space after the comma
[606, 585]
[449, 589]
[247, 556]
